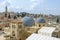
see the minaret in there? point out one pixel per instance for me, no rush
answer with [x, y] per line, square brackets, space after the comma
[6, 15]
[6, 9]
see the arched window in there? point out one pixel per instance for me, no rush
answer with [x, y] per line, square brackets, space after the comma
[43, 25]
[39, 25]
[20, 39]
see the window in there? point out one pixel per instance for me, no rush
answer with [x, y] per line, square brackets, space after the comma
[43, 25]
[13, 34]
[20, 39]
[13, 26]
[19, 26]
[0, 21]
[0, 28]
[26, 36]
[39, 25]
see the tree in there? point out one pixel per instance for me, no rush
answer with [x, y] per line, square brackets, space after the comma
[23, 14]
[9, 16]
[15, 17]
[57, 20]
[18, 15]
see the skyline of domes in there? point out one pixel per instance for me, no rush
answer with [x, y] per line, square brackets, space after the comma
[29, 21]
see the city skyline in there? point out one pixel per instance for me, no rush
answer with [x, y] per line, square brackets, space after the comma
[31, 6]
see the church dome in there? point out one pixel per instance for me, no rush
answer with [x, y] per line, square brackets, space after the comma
[40, 20]
[28, 21]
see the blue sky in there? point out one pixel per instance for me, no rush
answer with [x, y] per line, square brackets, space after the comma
[32, 6]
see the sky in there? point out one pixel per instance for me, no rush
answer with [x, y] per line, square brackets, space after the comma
[31, 6]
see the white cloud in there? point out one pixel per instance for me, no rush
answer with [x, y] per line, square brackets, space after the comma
[35, 3]
[20, 4]
[33, 0]
[33, 6]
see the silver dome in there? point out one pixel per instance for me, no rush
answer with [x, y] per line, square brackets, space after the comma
[40, 20]
[28, 21]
